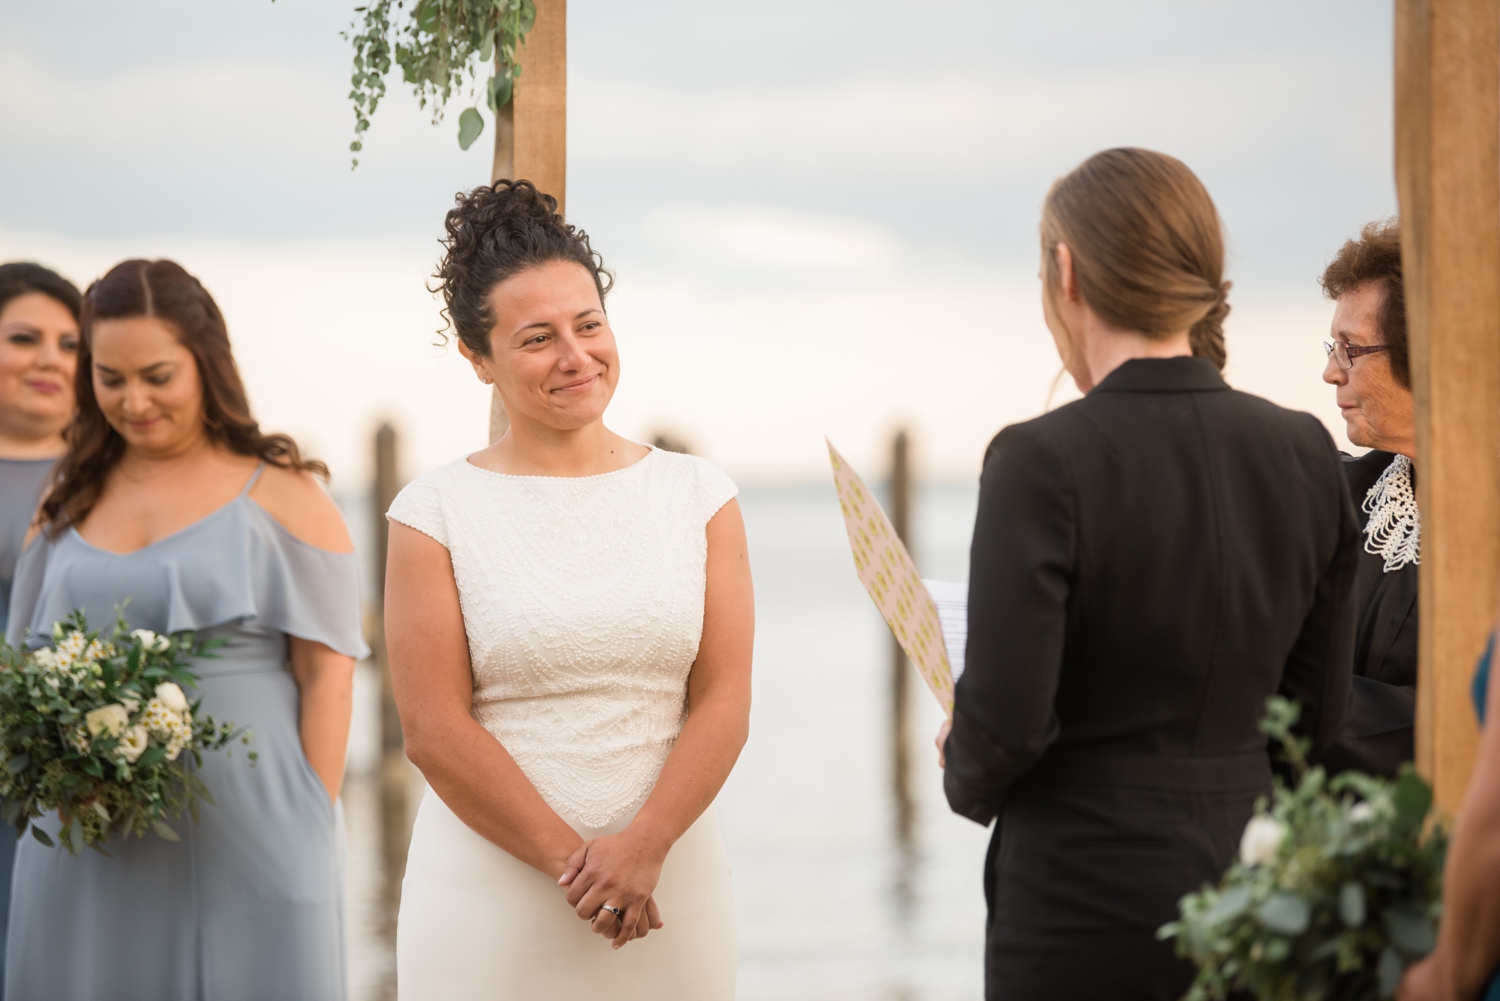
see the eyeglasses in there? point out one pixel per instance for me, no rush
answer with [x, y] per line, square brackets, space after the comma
[1344, 353]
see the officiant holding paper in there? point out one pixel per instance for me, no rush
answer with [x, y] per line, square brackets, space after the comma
[1150, 563]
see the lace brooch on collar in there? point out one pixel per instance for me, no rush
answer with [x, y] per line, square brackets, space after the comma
[1394, 531]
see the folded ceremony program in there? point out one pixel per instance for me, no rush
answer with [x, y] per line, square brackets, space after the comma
[928, 618]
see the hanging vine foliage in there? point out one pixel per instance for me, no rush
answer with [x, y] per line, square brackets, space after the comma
[439, 45]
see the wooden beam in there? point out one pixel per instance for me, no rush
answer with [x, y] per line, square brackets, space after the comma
[1448, 181]
[531, 133]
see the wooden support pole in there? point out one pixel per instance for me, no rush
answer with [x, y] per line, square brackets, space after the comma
[900, 690]
[531, 133]
[1448, 180]
[395, 815]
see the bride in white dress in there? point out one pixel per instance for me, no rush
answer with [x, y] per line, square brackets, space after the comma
[569, 619]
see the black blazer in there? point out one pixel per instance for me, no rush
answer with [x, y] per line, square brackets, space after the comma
[1149, 564]
[1379, 733]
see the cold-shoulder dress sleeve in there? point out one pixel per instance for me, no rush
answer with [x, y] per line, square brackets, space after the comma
[25, 588]
[308, 592]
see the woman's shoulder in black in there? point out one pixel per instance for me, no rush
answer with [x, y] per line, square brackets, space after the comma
[1364, 470]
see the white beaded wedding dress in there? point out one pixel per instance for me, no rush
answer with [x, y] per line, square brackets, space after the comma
[583, 602]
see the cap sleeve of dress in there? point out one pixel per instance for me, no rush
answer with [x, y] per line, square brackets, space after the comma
[420, 505]
[715, 489]
[307, 592]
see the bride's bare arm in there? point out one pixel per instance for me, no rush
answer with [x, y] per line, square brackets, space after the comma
[430, 674]
[622, 869]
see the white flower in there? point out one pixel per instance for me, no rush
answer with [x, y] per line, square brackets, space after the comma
[171, 696]
[1361, 813]
[107, 721]
[131, 705]
[152, 642]
[133, 743]
[1262, 837]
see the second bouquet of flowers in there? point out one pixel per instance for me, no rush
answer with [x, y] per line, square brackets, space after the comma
[100, 729]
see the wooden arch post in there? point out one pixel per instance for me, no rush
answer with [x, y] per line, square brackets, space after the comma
[1448, 181]
[531, 133]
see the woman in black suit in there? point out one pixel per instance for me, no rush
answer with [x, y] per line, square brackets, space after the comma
[1150, 563]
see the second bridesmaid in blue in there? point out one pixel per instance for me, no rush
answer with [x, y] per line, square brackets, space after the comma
[171, 496]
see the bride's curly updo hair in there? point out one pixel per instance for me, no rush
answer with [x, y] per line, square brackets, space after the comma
[495, 232]
[1147, 246]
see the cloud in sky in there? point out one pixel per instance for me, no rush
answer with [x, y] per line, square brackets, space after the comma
[822, 213]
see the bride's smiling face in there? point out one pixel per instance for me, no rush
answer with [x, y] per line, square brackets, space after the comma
[552, 353]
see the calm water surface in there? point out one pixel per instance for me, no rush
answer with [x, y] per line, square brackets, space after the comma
[830, 904]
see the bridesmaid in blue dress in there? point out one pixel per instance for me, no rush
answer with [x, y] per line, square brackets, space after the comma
[172, 497]
[38, 359]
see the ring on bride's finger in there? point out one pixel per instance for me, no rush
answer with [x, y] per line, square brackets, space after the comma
[617, 912]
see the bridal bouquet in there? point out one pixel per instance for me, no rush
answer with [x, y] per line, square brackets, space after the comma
[100, 730]
[1338, 888]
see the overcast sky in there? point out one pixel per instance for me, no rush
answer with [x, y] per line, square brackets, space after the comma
[822, 214]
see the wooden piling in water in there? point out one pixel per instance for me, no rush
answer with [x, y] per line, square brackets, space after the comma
[395, 818]
[900, 690]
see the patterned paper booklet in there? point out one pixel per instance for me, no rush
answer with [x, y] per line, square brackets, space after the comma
[886, 570]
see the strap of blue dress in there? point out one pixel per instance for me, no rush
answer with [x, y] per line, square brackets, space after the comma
[254, 478]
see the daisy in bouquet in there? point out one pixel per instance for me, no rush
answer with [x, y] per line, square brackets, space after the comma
[101, 730]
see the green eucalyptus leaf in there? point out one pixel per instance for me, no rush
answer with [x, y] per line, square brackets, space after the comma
[1391, 969]
[150, 757]
[1352, 904]
[426, 15]
[1411, 931]
[42, 836]
[1231, 904]
[470, 124]
[1413, 797]
[1284, 912]
[18, 764]
[75, 834]
[100, 810]
[487, 50]
[164, 831]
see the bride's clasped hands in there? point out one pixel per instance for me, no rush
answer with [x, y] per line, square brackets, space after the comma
[609, 882]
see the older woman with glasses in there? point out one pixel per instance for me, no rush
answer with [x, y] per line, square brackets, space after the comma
[1369, 368]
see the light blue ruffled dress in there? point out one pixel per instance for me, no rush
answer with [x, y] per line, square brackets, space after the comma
[249, 906]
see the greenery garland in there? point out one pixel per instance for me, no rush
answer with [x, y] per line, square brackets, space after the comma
[436, 48]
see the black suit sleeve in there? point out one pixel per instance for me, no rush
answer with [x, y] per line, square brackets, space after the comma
[1020, 576]
[1320, 668]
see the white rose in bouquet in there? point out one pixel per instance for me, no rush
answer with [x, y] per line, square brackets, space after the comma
[152, 642]
[133, 743]
[172, 697]
[107, 721]
[1262, 837]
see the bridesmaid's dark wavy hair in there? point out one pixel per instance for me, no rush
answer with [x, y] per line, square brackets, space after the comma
[164, 290]
[493, 233]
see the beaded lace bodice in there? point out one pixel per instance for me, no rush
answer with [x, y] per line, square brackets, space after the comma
[583, 603]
